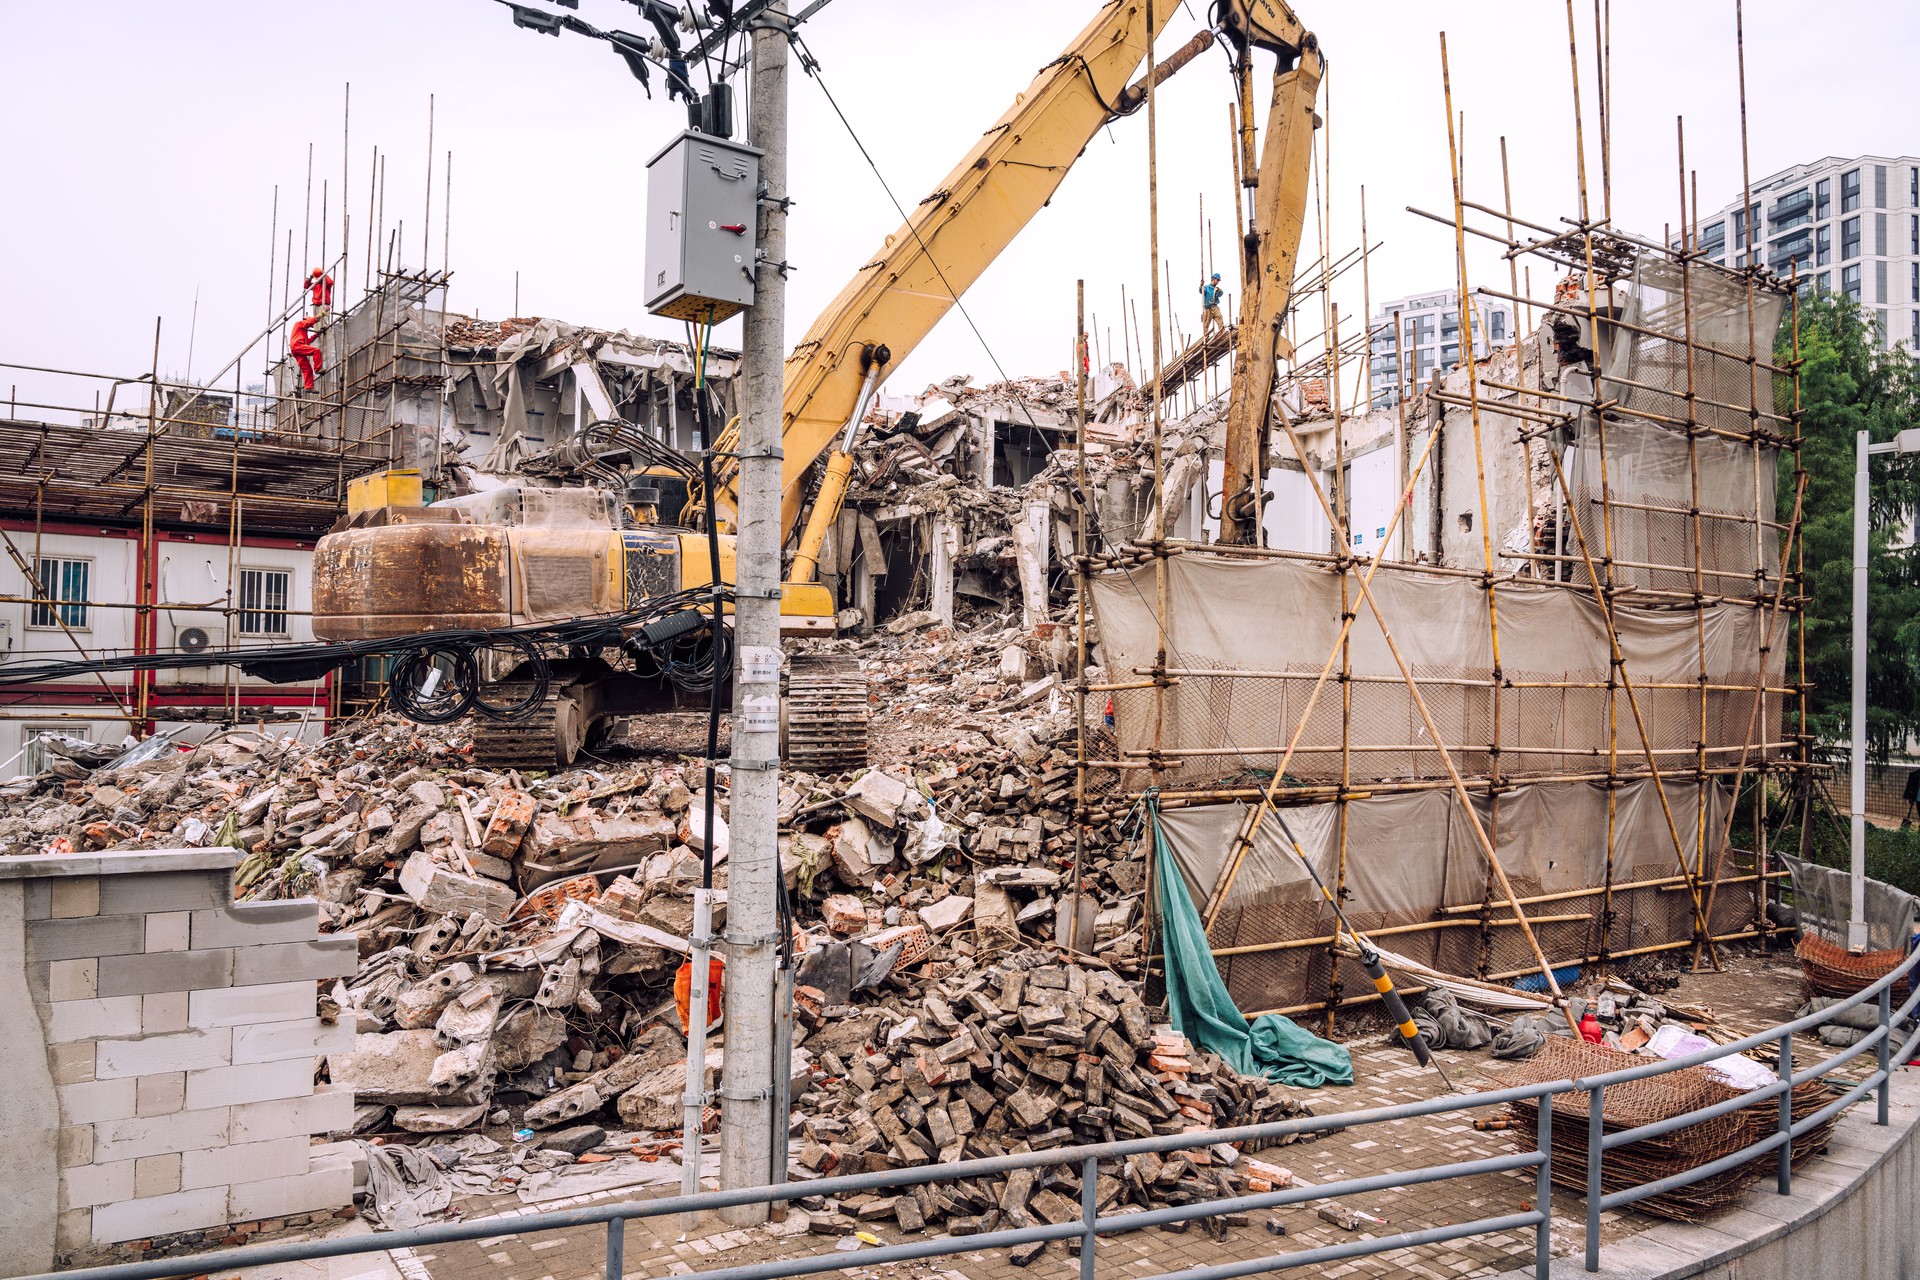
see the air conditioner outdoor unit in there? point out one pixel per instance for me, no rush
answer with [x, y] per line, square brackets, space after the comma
[193, 633]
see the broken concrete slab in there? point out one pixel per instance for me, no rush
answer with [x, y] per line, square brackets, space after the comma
[441, 890]
[427, 1119]
[576, 1141]
[878, 796]
[581, 841]
[397, 1068]
[946, 913]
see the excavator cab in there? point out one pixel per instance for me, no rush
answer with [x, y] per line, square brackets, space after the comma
[528, 555]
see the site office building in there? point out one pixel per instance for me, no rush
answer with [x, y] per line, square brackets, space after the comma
[205, 593]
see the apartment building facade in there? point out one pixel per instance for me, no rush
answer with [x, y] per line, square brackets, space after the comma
[1429, 339]
[208, 592]
[1847, 225]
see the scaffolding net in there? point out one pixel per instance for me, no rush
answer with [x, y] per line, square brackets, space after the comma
[1498, 763]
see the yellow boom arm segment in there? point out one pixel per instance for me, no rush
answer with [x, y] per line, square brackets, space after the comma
[1271, 245]
[948, 240]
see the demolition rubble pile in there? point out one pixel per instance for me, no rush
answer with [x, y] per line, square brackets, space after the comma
[1021, 1055]
[519, 934]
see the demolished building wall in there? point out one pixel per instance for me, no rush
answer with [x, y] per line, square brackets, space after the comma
[423, 387]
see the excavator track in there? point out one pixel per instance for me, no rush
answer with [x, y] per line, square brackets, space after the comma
[825, 714]
[549, 738]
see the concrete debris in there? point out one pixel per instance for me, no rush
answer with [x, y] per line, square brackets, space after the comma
[1024, 1054]
[519, 931]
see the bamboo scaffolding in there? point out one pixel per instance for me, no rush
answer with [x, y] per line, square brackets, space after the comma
[1684, 727]
[1243, 841]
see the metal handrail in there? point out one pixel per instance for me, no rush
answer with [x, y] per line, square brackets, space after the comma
[1781, 1140]
[1091, 1224]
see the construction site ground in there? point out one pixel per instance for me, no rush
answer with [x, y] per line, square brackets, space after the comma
[1755, 990]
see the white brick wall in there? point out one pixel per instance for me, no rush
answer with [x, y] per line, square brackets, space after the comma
[250, 1082]
[234, 1006]
[181, 1035]
[301, 1038]
[98, 1100]
[183, 1052]
[91, 1019]
[246, 1162]
[328, 1110]
[140, 1219]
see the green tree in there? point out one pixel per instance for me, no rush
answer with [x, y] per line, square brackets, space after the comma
[1846, 385]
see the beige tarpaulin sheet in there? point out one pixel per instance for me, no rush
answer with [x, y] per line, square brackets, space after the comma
[1414, 853]
[1278, 619]
[1410, 856]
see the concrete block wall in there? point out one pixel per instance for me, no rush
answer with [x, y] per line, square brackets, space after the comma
[178, 1045]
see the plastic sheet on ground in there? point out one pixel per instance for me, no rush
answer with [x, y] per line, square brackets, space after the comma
[621, 1171]
[1272, 1046]
[405, 1186]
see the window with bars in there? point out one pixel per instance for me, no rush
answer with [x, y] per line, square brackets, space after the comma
[35, 756]
[263, 601]
[63, 585]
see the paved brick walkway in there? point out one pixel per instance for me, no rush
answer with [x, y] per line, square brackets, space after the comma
[1755, 992]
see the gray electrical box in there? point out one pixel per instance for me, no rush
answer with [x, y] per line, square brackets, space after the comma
[703, 196]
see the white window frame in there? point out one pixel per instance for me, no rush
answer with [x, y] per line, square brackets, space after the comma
[246, 614]
[61, 607]
[29, 732]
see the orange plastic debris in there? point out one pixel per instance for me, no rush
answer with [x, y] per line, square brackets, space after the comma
[683, 991]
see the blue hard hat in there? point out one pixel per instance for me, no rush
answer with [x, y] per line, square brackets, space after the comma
[1216, 275]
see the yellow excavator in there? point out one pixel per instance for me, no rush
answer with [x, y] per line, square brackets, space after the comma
[525, 554]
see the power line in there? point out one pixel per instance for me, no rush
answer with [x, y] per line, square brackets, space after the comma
[811, 65]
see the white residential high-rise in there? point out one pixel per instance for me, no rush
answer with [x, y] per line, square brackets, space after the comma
[1851, 225]
[1430, 338]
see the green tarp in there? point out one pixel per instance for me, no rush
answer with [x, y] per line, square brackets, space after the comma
[1272, 1046]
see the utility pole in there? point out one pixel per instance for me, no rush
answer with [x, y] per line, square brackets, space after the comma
[753, 877]
[1857, 726]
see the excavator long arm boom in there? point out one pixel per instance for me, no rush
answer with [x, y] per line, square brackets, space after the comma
[954, 234]
[948, 240]
[1270, 245]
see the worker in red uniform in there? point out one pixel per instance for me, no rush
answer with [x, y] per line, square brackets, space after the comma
[304, 350]
[320, 286]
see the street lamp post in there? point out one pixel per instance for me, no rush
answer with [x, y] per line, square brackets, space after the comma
[1906, 442]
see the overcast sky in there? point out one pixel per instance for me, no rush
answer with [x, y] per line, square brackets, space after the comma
[144, 142]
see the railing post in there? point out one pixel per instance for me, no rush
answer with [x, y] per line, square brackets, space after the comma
[616, 1247]
[1786, 1115]
[1543, 1190]
[1595, 1131]
[1886, 1052]
[1089, 1210]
